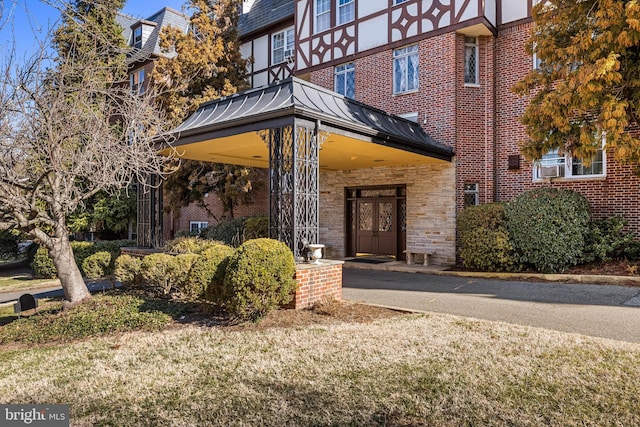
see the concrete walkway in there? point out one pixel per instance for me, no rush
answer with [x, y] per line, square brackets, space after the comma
[607, 311]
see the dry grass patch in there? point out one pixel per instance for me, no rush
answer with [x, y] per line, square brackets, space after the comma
[405, 370]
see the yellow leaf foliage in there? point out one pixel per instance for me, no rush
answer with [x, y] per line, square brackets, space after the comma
[589, 81]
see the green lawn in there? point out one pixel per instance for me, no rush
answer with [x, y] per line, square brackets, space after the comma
[409, 370]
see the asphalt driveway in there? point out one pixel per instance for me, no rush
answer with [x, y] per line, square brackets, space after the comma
[596, 310]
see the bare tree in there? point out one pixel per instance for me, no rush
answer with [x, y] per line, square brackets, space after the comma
[66, 133]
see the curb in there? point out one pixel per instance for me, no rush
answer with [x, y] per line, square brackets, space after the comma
[566, 278]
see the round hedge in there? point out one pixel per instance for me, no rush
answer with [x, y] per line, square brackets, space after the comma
[483, 241]
[207, 274]
[128, 270]
[259, 277]
[97, 265]
[155, 270]
[548, 227]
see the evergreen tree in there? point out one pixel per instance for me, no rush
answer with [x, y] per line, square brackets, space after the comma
[90, 28]
[203, 65]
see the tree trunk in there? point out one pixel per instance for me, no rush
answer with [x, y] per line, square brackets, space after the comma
[75, 289]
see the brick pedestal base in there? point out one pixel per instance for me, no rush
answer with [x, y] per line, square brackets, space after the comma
[317, 282]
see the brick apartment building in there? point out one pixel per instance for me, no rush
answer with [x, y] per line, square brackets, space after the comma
[437, 70]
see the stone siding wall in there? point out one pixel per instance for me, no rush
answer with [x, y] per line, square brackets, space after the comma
[431, 206]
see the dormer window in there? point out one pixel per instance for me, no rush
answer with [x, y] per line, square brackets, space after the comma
[137, 36]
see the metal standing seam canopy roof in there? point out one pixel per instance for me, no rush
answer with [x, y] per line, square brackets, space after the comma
[277, 105]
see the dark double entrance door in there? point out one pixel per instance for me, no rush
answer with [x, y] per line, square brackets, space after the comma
[376, 221]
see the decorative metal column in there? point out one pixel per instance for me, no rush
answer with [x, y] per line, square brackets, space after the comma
[294, 184]
[149, 215]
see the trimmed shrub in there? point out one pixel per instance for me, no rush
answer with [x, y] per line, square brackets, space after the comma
[606, 239]
[81, 251]
[631, 251]
[128, 270]
[155, 270]
[259, 277]
[179, 269]
[98, 265]
[483, 239]
[42, 265]
[207, 274]
[113, 246]
[548, 228]
[256, 227]
[189, 245]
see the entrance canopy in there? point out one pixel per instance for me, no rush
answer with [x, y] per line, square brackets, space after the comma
[227, 130]
[296, 129]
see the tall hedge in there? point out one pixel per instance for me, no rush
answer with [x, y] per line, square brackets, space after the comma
[259, 277]
[483, 240]
[548, 228]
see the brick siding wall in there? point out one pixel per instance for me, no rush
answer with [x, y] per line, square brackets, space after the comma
[317, 283]
[617, 194]
[259, 206]
[482, 123]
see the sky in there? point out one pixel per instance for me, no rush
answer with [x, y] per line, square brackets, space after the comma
[29, 20]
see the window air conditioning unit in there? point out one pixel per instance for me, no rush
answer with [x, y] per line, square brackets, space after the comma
[551, 171]
[288, 55]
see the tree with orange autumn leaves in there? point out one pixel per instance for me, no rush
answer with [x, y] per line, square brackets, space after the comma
[588, 82]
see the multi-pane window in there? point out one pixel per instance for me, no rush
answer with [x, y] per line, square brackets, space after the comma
[405, 69]
[282, 46]
[471, 61]
[346, 11]
[345, 80]
[323, 15]
[137, 36]
[136, 81]
[557, 165]
[197, 226]
[471, 194]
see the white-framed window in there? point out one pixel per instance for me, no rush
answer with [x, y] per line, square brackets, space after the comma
[558, 165]
[137, 35]
[282, 46]
[405, 69]
[471, 194]
[345, 80]
[346, 11]
[197, 226]
[136, 81]
[471, 61]
[322, 12]
[535, 61]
